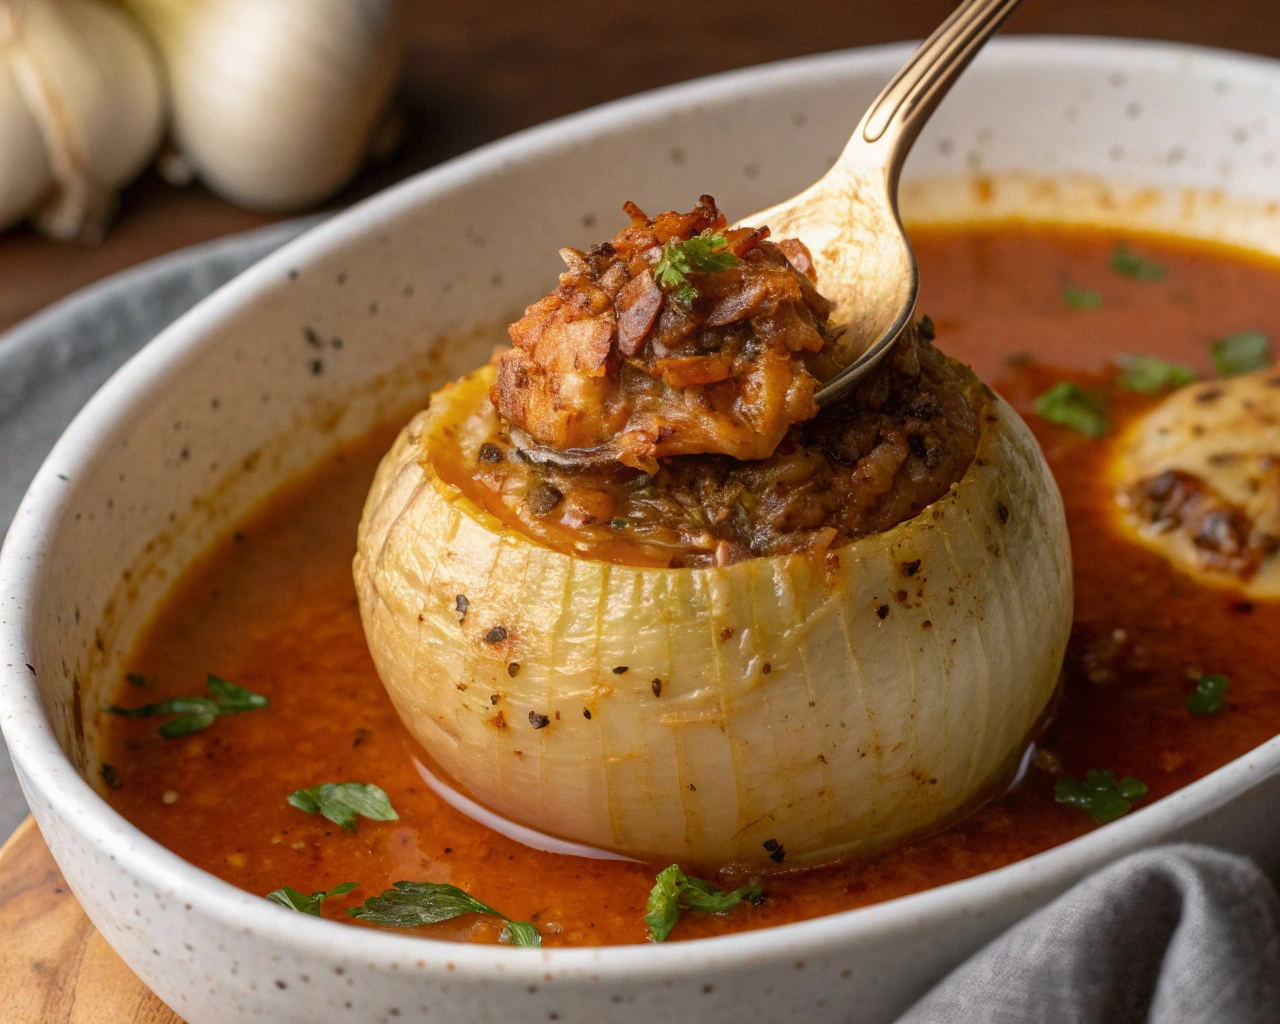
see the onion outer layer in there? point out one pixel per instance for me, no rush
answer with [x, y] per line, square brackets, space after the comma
[826, 704]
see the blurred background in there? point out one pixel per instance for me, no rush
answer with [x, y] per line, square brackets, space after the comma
[293, 105]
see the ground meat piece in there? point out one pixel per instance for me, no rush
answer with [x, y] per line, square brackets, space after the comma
[709, 361]
[861, 466]
[1224, 537]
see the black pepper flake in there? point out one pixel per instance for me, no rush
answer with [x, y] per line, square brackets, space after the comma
[317, 367]
[657, 687]
[586, 713]
[1002, 510]
[538, 721]
[542, 498]
[777, 852]
[1243, 607]
[490, 452]
[513, 669]
[494, 698]
[883, 611]
[313, 339]
[496, 635]
[110, 777]
[766, 668]
[620, 670]
[461, 604]
[911, 568]
[692, 788]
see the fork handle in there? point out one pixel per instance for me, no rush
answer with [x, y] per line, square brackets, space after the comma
[890, 126]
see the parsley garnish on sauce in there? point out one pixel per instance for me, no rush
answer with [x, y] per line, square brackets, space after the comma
[1128, 263]
[287, 896]
[701, 254]
[1150, 375]
[674, 892]
[410, 904]
[194, 714]
[1100, 796]
[1070, 405]
[1208, 695]
[341, 802]
[1242, 352]
[1081, 298]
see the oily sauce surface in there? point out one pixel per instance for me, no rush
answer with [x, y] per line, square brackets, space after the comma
[273, 609]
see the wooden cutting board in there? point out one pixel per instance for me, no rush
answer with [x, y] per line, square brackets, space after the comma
[57, 968]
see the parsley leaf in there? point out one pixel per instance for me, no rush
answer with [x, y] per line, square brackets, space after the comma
[341, 802]
[520, 933]
[194, 714]
[674, 891]
[1149, 375]
[409, 904]
[290, 897]
[1242, 352]
[1081, 298]
[1208, 695]
[701, 254]
[1070, 405]
[1100, 796]
[1127, 262]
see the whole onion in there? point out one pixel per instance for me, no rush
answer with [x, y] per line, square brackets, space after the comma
[811, 705]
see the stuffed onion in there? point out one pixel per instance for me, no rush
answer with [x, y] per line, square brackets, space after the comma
[756, 632]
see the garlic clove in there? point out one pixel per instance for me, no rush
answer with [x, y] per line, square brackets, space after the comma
[275, 104]
[92, 85]
[25, 174]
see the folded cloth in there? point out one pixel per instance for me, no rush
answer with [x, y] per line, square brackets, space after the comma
[1175, 935]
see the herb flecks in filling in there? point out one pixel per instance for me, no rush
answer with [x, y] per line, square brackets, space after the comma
[861, 466]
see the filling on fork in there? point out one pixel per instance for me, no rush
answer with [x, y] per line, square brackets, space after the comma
[688, 353]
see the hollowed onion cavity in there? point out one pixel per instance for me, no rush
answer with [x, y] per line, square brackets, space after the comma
[814, 704]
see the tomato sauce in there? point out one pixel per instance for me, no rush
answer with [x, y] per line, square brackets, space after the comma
[273, 608]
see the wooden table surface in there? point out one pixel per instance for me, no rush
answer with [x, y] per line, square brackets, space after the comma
[475, 73]
[480, 71]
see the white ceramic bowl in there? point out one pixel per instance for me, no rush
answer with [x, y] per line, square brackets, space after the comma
[155, 466]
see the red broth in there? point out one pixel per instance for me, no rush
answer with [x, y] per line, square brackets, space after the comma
[272, 608]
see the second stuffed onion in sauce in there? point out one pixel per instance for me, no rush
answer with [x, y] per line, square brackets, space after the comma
[754, 632]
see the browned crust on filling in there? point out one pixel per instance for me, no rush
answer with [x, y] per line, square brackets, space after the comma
[862, 466]
[611, 358]
[1225, 538]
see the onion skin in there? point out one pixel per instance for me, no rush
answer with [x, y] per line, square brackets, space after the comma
[862, 731]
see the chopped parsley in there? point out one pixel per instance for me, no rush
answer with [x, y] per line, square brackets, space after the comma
[1150, 375]
[1208, 695]
[1128, 263]
[1081, 298]
[409, 904]
[194, 714]
[674, 892]
[1069, 405]
[304, 904]
[135, 679]
[702, 254]
[1242, 352]
[341, 802]
[1100, 796]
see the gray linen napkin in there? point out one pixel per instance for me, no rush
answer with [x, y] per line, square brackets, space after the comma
[1174, 935]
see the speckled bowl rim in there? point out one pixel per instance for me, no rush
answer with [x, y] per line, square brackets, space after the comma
[41, 760]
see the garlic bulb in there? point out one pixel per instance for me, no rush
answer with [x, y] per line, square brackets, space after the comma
[1198, 480]
[822, 704]
[81, 112]
[275, 103]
